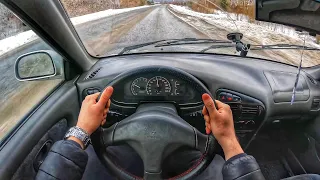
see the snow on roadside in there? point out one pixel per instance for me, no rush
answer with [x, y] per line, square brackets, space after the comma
[255, 33]
[102, 14]
[20, 39]
[17, 40]
[225, 20]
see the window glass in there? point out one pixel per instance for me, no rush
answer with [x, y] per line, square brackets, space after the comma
[18, 98]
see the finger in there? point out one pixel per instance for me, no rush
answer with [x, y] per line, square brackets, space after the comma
[208, 102]
[104, 117]
[105, 111]
[208, 131]
[208, 126]
[93, 97]
[105, 96]
[206, 118]
[103, 122]
[220, 104]
[204, 111]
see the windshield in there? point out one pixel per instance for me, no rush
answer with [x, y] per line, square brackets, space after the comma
[113, 27]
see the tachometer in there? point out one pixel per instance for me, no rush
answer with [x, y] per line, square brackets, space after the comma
[158, 86]
[138, 86]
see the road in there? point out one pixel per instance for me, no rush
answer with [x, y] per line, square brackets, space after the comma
[102, 37]
[110, 35]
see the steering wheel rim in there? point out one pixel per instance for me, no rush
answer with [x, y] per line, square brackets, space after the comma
[171, 119]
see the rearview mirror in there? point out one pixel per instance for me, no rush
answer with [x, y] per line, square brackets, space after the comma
[39, 65]
[302, 14]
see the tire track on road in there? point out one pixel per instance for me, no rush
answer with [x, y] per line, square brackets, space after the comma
[108, 40]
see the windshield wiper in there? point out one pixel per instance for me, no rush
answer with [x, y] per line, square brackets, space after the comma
[173, 42]
[282, 46]
[129, 48]
[190, 41]
[244, 48]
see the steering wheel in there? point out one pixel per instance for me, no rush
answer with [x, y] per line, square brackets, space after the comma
[154, 131]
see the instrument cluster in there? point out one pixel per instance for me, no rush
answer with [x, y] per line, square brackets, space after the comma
[157, 86]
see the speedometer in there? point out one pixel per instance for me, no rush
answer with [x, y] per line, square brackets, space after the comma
[158, 86]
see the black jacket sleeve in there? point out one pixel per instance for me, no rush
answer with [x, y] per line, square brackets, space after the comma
[242, 167]
[66, 160]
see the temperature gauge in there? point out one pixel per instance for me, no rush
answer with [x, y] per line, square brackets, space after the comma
[179, 88]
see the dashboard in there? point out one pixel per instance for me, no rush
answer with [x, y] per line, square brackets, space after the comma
[258, 91]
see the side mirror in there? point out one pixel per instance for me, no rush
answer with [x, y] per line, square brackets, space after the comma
[39, 65]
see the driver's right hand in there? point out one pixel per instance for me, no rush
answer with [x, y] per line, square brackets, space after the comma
[219, 121]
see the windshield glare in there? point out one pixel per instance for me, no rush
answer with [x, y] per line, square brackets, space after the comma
[110, 27]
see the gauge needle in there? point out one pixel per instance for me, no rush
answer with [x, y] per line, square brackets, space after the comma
[157, 82]
[136, 86]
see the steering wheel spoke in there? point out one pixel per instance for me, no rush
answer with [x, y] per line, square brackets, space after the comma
[201, 141]
[107, 135]
[148, 175]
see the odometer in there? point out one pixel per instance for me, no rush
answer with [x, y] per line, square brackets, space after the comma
[158, 86]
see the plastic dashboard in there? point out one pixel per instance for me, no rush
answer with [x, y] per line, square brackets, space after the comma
[262, 88]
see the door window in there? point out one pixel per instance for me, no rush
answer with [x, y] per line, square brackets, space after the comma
[18, 98]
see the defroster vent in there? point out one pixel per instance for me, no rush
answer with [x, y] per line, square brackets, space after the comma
[94, 73]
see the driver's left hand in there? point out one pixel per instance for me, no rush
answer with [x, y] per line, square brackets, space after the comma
[93, 113]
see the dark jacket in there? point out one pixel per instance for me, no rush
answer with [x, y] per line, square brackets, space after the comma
[66, 160]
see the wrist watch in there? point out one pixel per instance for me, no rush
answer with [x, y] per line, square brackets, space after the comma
[80, 134]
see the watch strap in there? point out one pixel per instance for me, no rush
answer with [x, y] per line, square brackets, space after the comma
[80, 134]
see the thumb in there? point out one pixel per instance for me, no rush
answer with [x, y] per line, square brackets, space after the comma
[208, 102]
[105, 96]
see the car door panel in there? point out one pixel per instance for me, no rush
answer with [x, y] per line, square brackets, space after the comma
[28, 169]
[61, 104]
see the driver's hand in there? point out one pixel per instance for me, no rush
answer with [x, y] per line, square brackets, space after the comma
[93, 113]
[219, 121]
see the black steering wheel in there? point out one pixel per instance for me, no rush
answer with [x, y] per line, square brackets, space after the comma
[154, 131]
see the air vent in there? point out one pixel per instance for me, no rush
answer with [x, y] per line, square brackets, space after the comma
[235, 108]
[93, 74]
[250, 110]
[312, 80]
